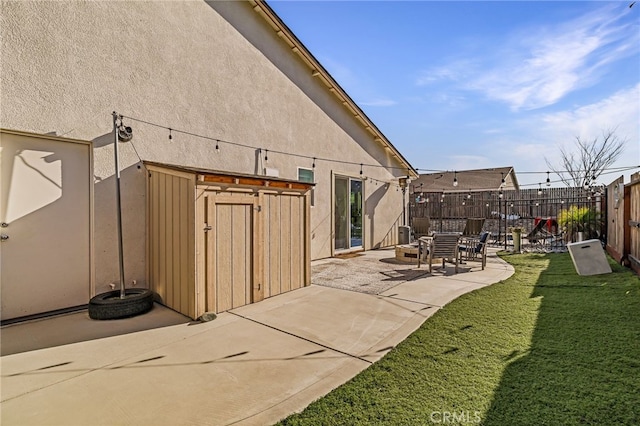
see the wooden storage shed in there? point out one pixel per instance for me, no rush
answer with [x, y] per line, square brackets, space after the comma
[219, 240]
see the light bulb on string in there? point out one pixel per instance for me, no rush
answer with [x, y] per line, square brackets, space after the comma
[266, 156]
[548, 180]
[455, 178]
[360, 169]
[539, 189]
[170, 136]
[217, 146]
[313, 165]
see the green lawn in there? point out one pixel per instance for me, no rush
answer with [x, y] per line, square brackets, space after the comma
[545, 347]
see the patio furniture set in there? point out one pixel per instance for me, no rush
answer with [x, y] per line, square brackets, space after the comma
[450, 247]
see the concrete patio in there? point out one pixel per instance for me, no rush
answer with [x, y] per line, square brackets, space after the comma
[253, 365]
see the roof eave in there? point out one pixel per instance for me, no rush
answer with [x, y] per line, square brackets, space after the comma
[318, 70]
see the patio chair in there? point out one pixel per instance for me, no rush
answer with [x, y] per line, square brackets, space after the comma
[536, 237]
[442, 246]
[420, 226]
[473, 227]
[473, 249]
[553, 241]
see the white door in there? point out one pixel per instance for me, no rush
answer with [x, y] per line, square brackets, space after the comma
[45, 222]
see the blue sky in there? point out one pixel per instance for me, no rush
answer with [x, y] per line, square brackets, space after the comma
[462, 85]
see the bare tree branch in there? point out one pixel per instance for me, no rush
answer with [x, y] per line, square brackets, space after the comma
[589, 159]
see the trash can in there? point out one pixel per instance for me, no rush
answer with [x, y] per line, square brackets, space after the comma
[404, 233]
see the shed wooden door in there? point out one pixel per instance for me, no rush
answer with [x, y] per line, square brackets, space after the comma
[45, 216]
[230, 250]
[284, 243]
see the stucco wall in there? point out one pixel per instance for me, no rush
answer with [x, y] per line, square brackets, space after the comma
[67, 65]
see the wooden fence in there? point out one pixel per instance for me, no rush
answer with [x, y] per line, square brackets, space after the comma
[502, 210]
[623, 225]
[616, 207]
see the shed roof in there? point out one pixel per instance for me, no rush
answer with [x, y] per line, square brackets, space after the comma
[225, 177]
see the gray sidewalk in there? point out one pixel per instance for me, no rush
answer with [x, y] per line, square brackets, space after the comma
[252, 366]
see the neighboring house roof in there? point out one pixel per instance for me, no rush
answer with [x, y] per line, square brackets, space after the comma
[468, 180]
[317, 70]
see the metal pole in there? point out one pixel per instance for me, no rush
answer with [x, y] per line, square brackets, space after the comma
[505, 225]
[118, 204]
[404, 205]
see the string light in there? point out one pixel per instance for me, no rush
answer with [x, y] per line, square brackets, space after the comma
[241, 145]
[313, 165]
[539, 189]
[217, 147]
[548, 180]
[502, 181]
[604, 171]
[170, 137]
[360, 169]
[266, 156]
[455, 178]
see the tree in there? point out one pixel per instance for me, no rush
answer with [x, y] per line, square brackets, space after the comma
[582, 166]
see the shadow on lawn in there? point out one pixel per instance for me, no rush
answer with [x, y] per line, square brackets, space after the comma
[583, 366]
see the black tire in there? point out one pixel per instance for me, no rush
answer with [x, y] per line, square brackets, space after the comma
[106, 306]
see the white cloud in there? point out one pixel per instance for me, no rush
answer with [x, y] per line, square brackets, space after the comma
[469, 162]
[543, 135]
[454, 71]
[559, 61]
[538, 69]
[379, 103]
[619, 111]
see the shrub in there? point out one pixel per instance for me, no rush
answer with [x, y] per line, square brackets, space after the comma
[580, 219]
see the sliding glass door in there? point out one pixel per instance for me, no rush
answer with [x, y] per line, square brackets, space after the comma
[348, 198]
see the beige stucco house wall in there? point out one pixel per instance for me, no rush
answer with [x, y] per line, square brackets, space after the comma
[225, 70]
